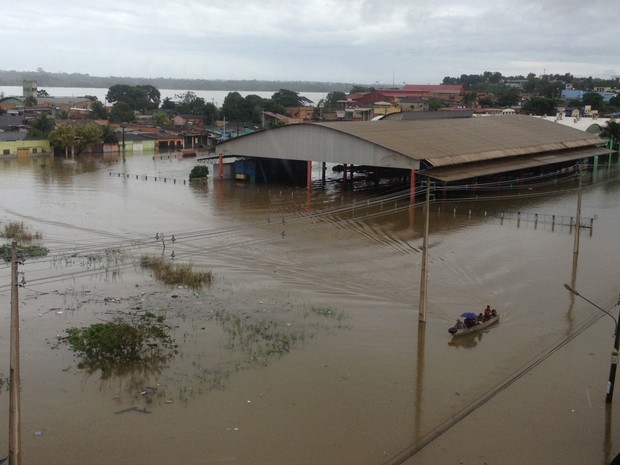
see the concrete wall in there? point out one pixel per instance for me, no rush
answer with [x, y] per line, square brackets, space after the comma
[25, 148]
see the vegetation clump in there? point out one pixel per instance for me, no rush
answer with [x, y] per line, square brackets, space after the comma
[173, 274]
[4, 382]
[26, 247]
[111, 346]
[17, 231]
[199, 171]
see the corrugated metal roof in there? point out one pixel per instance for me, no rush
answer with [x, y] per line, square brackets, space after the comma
[490, 167]
[461, 144]
[445, 142]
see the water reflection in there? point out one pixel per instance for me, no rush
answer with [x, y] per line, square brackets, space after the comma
[467, 341]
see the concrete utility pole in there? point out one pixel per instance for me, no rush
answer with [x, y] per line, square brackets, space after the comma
[14, 379]
[577, 217]
[614, 354]
[424, 272]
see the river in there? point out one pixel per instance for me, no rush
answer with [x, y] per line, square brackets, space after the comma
[333, 276]
[210, 96]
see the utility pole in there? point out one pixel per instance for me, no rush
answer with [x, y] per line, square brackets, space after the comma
[577, 217]
[423, 271]
[614, 354]
[14, 379]
[614, 362]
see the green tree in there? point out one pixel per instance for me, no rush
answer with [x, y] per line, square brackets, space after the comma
[139, 98]
[153, 96]
[508, 97]
[62, 114]
[595, 100]
[332, 99]
[286, 98]
[434, 104]
[190, 104]
[612, 132]
[121, 113]
[234, 108]
[470, 98]
[540, 106]
[169, 105]
[42, 93]
[210, 113]
[253, 107]
[76, 138]
[85, 135]
[274, 107]
[97, 110]
[108, 135]
[161, 119]
[359, 88]
[62, 137]
[41, 127]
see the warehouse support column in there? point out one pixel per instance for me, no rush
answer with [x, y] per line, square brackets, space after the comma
[595, 166]
[309, 176]
[344, 174]
[412, 188]
[221, 167]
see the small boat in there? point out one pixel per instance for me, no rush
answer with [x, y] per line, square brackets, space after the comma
[475, 327]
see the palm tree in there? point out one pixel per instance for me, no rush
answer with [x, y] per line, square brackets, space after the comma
[470, 99]
[612, 132]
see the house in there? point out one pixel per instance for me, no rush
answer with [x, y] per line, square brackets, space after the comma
[14, 144]
[303, 113]
[13, 104]
[449, 94]
[270, 118]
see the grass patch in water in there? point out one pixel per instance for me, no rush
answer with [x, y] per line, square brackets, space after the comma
[329, 312]
[16, 231]
[173, 274]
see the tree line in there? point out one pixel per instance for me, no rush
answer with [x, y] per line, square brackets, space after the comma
[541, 95]
[47, 79]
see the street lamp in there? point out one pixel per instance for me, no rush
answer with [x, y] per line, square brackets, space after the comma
[614, 354]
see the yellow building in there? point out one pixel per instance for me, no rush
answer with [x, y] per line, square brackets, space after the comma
[24, 148]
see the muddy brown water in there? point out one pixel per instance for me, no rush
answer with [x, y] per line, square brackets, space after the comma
[333, 278]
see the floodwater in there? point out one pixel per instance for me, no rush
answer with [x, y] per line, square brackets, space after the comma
[306, 349]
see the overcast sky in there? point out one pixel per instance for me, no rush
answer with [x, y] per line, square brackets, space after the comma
[353, 41]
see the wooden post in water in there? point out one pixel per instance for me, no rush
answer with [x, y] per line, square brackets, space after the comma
[14, 377]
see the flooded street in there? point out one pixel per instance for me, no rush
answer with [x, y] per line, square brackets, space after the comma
[306, 349]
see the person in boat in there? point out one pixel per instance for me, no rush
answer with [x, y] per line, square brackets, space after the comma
[469, 322]
[488, 313]
[459, 324]
[479, 318]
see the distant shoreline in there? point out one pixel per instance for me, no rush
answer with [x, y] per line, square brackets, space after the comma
[45, 79]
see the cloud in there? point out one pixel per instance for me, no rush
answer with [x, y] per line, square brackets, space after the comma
[361, 41]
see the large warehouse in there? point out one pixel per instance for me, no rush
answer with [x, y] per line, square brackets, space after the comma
[446, 149]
